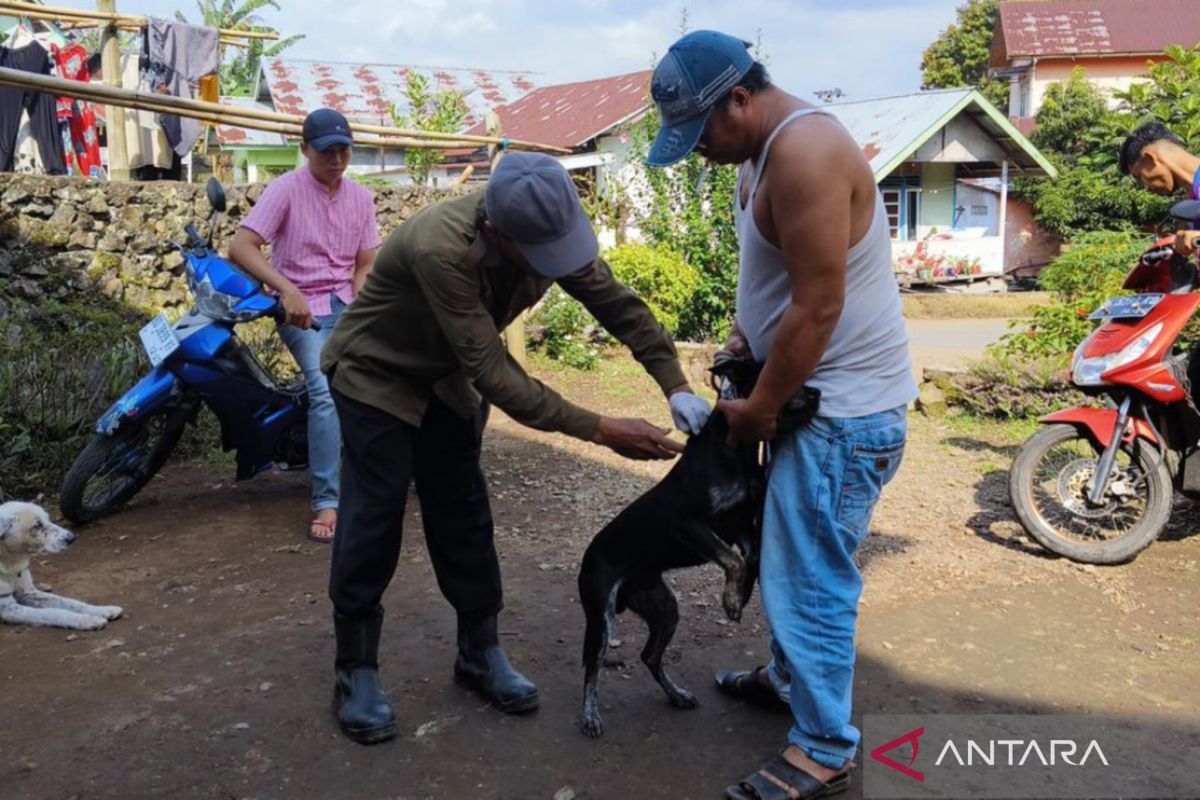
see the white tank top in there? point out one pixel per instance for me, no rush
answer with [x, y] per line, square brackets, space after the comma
[865, 369]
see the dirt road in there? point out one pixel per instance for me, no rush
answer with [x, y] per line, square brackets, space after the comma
[952, 342]
[217, 684]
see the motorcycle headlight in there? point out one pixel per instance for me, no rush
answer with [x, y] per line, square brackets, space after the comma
[217, 304]
[1087, 371]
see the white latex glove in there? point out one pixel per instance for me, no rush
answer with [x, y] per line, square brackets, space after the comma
[689, 412]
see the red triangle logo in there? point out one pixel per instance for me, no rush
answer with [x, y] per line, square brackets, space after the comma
[912, 738]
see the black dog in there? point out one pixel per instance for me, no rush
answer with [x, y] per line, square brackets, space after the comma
[707, 508]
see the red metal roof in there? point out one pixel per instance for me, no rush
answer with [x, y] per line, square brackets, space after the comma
[572, 114]
[366, 92]
[1043, 28]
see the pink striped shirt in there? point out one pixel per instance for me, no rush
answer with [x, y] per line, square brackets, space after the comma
[316, 238]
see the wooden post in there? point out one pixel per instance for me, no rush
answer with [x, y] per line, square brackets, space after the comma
[1004, 218]
[514, 334]
[110, 60]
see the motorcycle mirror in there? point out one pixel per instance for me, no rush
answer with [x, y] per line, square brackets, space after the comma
[216, 194]
[1188, 210]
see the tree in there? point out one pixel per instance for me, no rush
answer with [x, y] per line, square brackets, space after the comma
[959, 56]
[1082, 137]
[1171, 96]
[689, 209]
[442, 111]
[239, 72]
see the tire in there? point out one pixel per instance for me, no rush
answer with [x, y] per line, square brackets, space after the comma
[131, 457]
[1153, 491]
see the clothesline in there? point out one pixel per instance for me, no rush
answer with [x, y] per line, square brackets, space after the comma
[216, 113]
[82, 25]
[102, 18]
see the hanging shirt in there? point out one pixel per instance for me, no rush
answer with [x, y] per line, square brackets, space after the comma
[39, 106]
[176, 56]
[78, 114]
[145, 141]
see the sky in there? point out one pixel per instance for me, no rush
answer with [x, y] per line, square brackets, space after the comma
[866, 48]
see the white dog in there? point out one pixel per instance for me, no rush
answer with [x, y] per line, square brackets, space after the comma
[26, 531]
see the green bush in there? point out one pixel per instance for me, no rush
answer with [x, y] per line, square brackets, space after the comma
[564, 329]
[1015, 387]
[1090, 270]
[61, 365]
[658, 275]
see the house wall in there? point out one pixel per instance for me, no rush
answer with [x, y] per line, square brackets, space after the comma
[961, 141]
[981, 209]
[1027, 247]
[937, 197]
[253, 166]
[1109, 74]
[622, 174]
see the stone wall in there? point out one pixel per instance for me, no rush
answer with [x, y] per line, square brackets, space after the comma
[60, 237]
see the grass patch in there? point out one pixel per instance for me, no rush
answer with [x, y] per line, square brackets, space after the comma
[972, 306]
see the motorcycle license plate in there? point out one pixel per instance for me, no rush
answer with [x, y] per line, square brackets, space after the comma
[158, 339]
[1133, 307]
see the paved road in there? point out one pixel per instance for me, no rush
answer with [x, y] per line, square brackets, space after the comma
[951, 342]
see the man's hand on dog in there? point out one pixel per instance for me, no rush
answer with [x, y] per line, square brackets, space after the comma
[747, 421]
[635, 438]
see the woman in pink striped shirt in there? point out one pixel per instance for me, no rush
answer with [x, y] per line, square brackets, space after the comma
[323, 238]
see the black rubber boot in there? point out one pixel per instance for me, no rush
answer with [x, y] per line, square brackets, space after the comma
[483, 667]
[362, 708]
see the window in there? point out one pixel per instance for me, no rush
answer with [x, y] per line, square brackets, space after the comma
[891, 203]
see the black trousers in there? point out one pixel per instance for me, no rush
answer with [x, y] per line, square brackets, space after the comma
[380, 457]
[43, 119]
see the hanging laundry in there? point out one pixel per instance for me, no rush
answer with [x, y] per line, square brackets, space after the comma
[28, 158]
[145, 141]
[79, 115]
[39, 106]
[176, 57]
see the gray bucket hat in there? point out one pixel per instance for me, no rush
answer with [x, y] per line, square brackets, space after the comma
[530, 199]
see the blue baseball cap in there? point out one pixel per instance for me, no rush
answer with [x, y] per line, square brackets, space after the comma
[325, 128]
[696, 72]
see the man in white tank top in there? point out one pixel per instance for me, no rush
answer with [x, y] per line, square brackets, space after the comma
[818, 303]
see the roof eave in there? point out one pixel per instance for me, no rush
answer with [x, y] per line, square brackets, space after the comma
[971, 97]
[626, 120]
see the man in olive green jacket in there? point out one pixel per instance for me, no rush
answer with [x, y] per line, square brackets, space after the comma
[414, 364]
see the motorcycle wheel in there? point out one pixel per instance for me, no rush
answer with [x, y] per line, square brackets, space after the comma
[112, 469]
[1048, 488]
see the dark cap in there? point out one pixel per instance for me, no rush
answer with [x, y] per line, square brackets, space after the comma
[696, 72]
[531, 199]
[325, 128]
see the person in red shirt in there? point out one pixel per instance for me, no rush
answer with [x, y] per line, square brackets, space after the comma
[323, 236]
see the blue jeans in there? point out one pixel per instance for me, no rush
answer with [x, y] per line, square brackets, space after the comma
[324, 435]
[823, 483]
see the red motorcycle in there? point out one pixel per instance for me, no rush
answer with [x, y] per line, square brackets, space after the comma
[1097, 484]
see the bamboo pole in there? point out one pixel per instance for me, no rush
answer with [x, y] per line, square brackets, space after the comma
[218, 115]
[118, 153]
[86, 24]
[107, 15]
[180, 104]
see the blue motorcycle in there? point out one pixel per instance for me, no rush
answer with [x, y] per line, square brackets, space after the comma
[196, 362]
